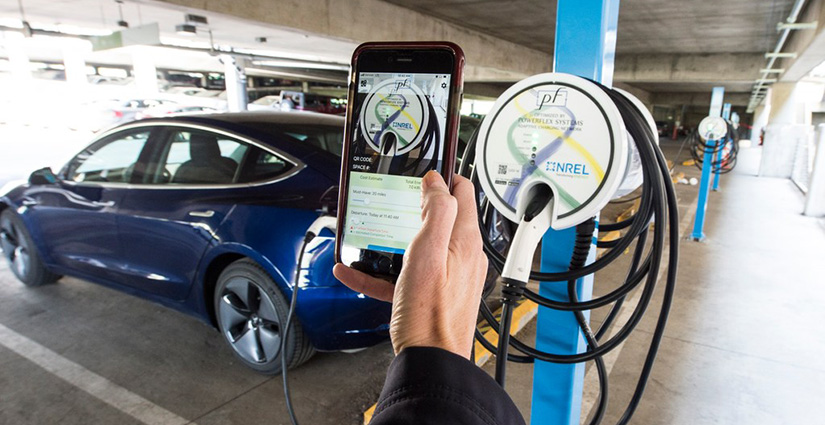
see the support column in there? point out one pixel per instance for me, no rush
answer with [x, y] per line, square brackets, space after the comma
[707, 165]
[760, 119]
[74, 62]
[236, 95]
[145, 73]
[788, 126]
[720, 154]
[815, 200]
[585, 46]
[18, 59]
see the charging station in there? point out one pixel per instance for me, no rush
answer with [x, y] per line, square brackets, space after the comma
[554, 149]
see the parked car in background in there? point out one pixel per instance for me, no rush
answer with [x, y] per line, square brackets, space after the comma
[173, 109]
[266, 103]
[99, 115]
[205, 214]
[299, 101]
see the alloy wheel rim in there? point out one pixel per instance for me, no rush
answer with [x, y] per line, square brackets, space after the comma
[15, 249]
[249, 321]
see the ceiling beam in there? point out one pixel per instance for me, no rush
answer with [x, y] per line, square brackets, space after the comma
[488, 58]
[688, 68]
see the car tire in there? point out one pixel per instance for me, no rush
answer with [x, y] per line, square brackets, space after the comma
[21, 253]
[251, 312]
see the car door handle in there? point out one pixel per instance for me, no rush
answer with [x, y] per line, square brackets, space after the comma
[106, 204]
[204, 214]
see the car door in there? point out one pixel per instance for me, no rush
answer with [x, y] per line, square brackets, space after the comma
[170, 218]
[76, 217]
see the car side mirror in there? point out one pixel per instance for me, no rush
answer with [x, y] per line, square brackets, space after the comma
[42, 176]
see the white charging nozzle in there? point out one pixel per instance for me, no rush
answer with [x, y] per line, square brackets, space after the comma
[321, 223]
[536, 207]
[389, 149]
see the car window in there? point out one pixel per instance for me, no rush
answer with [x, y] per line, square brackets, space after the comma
[198, 157]
[263, 165]
[331, 141]
[110, 160]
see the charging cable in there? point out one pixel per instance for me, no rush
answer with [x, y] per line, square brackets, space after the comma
[657, 204]
[728, 145]
[321, 223]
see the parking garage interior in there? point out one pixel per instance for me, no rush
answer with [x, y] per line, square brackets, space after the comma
[744, 342]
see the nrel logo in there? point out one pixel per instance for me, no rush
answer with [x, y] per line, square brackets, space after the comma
[556, 97]
[567, 168]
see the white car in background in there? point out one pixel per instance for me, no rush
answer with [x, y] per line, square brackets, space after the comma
[173, 109]
[266, 103]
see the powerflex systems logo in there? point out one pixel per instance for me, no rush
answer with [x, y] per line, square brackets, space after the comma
[557, 97]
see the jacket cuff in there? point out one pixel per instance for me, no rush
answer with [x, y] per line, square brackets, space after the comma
[443, 381]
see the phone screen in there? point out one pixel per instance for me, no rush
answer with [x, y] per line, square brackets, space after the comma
[398, 132]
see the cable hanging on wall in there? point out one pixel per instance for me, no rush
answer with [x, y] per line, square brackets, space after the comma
[657, 208]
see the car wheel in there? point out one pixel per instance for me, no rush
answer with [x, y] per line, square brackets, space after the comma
[20, 252]
[251, 314]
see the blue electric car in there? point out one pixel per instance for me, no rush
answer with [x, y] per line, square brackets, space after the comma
[207, 215]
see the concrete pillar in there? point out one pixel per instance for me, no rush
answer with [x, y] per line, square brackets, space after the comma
[815, 199]
[760, 118]
[18, 59]
[788, 126]
[145, 73]
[236, 95]
[74, 62]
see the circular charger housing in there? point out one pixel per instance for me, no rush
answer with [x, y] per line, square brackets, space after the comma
[633, 175]
[397, 106]
[554, 129]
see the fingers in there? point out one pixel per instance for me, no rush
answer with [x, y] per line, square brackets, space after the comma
[438, 215]
[465, 229]
[364, 283]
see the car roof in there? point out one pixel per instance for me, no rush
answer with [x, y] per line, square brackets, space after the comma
[272, 117]
[256, 124]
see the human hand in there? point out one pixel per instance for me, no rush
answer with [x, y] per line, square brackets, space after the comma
[436, 298]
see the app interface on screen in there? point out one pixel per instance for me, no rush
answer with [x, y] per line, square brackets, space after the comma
[399, 126]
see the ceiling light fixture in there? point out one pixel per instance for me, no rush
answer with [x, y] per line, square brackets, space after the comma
[186, 29]
[122, 22]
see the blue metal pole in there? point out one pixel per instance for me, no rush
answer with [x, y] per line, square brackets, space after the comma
[726, 116]
[585, 46]
[704, 185]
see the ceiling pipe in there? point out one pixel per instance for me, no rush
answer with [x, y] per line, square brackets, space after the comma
[797, 7]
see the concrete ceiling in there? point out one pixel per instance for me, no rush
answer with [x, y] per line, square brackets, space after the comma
[645, 26]
[663, 46]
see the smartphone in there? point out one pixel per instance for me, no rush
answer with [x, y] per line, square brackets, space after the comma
[402, 121]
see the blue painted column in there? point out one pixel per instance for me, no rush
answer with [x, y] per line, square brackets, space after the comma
[726, 116]
[585, 46]
[704, 185]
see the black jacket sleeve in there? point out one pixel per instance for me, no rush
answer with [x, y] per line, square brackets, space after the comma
[428, 385]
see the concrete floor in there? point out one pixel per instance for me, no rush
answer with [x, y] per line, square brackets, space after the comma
[745, 340]
[744, 343]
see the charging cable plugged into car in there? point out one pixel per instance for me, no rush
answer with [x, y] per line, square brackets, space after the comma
[328, 222]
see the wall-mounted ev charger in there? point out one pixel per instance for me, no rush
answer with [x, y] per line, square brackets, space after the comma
[552, 152]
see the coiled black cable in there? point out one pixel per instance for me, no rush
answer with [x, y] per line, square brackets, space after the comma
[657, 203]
[728, 145]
